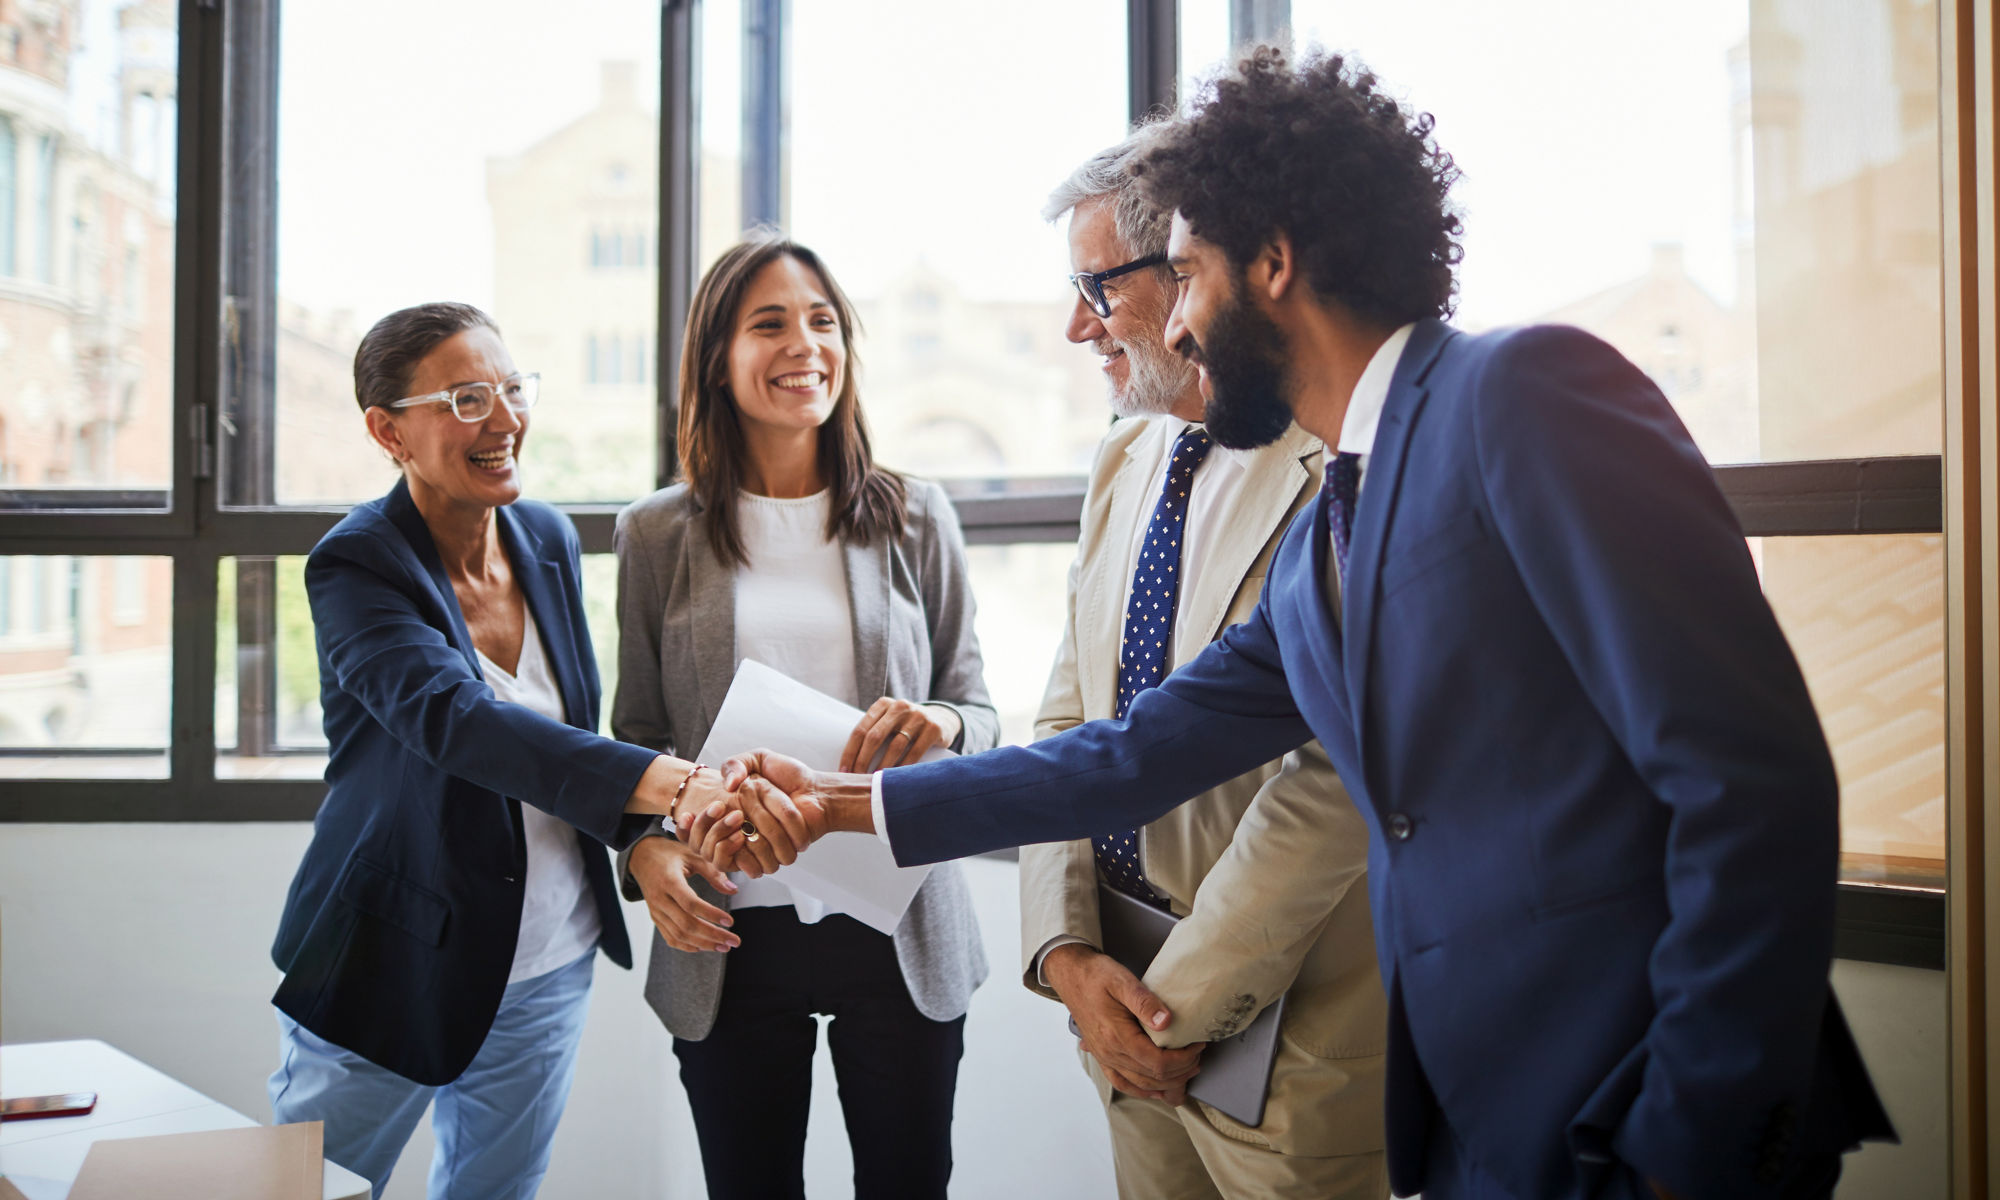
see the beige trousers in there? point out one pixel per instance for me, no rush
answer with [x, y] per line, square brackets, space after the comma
[1167, 1153]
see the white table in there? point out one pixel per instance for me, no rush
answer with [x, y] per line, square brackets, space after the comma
[42, 1157]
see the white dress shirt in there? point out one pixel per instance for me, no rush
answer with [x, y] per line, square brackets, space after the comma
[1371, 394]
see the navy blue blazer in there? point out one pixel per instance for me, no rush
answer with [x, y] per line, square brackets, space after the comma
[399, 931]
[1604, 821]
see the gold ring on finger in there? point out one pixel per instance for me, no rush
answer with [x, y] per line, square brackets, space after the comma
[750, 833]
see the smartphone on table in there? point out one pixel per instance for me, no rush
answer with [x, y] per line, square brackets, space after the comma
[68, 1104]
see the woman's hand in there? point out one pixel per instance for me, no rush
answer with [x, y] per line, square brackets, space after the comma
[757, 828]
[662, 868]
[897, 732]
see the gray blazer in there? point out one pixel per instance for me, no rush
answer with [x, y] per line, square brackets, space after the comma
[913, 640]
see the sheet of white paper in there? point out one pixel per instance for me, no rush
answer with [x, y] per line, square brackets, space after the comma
[851, 873]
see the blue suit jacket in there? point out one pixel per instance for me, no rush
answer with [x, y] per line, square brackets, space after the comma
[1604, 820]
[398, 934]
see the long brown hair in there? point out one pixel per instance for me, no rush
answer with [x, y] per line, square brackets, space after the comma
[868, 501]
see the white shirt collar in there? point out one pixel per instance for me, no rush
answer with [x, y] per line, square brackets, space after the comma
[1216, 452]
[1371, 392]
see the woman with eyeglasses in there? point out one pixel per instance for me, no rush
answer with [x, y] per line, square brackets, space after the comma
[440, 934]
[787, 544]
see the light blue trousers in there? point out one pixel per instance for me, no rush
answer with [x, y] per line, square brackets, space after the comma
[493, 1124]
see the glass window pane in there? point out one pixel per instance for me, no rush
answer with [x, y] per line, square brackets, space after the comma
[87, 128]
[266, 662]
[535, 203]
[922, 188]
[1865, 615]
[1023, 596]
[1742, 197]
[86, 651]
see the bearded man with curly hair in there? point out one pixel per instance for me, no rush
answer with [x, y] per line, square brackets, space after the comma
[1523, 623]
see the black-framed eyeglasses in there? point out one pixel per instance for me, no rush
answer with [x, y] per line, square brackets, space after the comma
[1091, 283]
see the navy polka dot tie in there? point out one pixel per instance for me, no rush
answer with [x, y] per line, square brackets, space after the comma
[1343, 483]
[1145, 651]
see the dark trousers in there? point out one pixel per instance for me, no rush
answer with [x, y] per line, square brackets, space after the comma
[750, 1080]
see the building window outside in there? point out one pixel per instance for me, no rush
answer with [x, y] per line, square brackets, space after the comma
[44, 216]
[9, 186]
[83, 221]
[128, 591]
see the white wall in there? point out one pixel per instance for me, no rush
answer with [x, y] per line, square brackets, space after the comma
[156, 938]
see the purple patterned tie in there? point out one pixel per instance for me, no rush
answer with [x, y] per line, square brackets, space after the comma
[1147, 646]
[1343, 482]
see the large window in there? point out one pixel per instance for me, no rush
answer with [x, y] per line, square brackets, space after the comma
[86, 217]
[1743, 195]
[532, 193]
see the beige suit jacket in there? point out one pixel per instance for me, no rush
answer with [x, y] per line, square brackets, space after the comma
[1268, 870]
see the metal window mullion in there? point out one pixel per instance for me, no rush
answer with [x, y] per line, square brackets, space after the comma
[191, 740]
[1152, 56]
[766, 112]
[247, 352]
[680, 176]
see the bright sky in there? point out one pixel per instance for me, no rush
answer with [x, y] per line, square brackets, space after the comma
[1587, 131]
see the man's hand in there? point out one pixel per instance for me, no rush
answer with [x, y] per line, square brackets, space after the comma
[662, 868]
[1113, 1010]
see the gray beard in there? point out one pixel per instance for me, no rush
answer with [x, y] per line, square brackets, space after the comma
[1155, 385]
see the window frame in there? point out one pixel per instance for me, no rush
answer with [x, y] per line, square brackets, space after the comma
[224, 306]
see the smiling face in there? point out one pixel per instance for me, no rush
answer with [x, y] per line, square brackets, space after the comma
[1142, 375]
[787, 355]
[1240, 352]
[457, 463]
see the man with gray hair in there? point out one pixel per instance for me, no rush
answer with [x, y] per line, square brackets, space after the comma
[1266, 872]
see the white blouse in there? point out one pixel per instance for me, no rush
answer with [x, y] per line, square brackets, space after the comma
[558, 918]
[793, 614]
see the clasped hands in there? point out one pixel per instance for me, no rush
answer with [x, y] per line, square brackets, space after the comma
[758, 811]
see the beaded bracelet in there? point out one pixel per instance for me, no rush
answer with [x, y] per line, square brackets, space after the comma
[674, 805]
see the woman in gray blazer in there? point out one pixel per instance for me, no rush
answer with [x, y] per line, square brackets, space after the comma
[787, 544]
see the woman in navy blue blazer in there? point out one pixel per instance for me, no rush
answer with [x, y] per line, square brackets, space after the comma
[439, 937]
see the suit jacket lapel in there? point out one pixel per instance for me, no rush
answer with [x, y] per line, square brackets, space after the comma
[711, 621]
[402, 513]
[1249, 516]
[868, 600]
[1372, 514]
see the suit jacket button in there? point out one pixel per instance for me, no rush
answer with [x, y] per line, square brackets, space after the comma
[1401, 827]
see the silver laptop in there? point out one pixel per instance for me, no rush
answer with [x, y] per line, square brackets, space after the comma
[1235, 1072]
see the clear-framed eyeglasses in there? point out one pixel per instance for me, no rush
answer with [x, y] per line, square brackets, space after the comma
[474, 401]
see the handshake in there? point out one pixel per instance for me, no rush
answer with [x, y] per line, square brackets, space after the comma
[754, 815]
[760, 810]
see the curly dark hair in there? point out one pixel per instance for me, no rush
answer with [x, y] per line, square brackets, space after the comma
[1318, 152]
